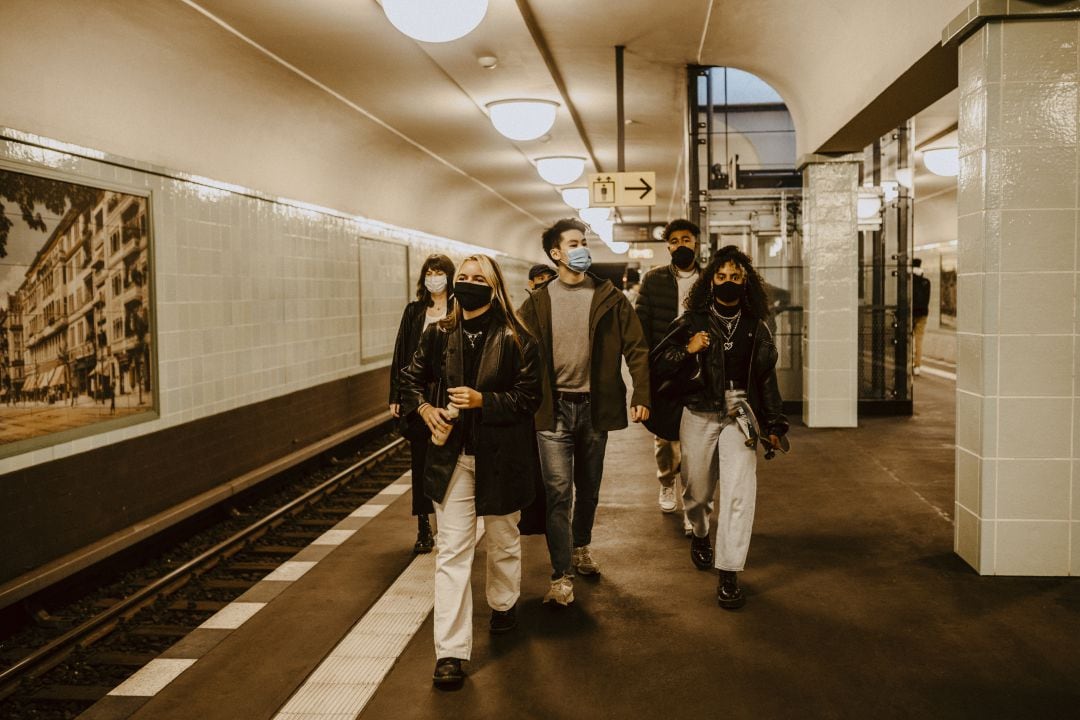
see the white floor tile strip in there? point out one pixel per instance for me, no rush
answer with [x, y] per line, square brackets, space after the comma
[151, 678]
[349, 676]
[232, 615]
[158, 673]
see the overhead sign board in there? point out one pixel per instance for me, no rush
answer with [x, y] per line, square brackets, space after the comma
[625, 189]
[638, 232]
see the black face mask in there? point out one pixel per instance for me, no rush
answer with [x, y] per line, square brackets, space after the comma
[727, 292]
[472, 296]
[683, 257]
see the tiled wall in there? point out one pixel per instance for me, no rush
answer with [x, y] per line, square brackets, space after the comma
[256, 297]
[830, 277]
[1018, 404]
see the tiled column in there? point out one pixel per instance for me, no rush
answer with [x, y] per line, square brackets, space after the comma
[830, 279]
[1017, 397]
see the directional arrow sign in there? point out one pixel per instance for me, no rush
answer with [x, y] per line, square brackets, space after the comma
[625, 189]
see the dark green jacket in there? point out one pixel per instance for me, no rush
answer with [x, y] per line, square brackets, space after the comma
[614, 333]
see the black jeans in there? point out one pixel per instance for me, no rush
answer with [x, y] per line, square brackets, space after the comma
[421, 503]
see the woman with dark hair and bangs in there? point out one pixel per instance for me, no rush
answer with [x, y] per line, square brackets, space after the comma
[434, 301]
[717, 354]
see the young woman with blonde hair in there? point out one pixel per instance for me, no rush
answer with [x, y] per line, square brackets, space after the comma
[485, 365]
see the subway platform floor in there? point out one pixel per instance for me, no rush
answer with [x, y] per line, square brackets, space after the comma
[856, 607]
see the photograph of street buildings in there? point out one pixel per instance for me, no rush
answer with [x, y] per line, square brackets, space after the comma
[75, 326]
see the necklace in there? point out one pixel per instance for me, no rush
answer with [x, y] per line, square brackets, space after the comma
[472, 337]
[729, 326]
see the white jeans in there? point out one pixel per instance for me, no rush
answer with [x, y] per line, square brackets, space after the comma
[714, 451]
[454, 550]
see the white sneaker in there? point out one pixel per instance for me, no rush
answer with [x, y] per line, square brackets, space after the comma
[561, 591]
[583, 562]
[667, 500]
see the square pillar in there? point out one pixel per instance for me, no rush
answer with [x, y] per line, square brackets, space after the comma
[830, 250]
[1017, 397]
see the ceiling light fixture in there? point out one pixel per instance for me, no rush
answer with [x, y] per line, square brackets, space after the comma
[943, 161]
[904, 176]
[561, 170]
[435, 21]
[576, 197]
[522, 119]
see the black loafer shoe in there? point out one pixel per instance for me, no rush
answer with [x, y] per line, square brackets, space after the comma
[448, 673]
[728, 593]
[701, 552]
[424, 543]
[503, 620]
[425, 538]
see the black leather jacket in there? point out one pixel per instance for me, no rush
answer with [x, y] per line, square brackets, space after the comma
[672, 364]
[507, 463]
[408, 338]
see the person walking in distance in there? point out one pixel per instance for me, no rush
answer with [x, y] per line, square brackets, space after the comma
[661, 299]
[920, 310]
[434, 301]
[584, 326]
[482, 460]
[540, 275]
[721, 355]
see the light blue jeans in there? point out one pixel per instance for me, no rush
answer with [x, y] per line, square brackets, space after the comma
[572, 460]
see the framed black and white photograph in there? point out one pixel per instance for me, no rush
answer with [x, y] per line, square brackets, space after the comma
[948, 294]
[76, 330]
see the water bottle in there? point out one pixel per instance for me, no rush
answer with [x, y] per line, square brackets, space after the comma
[439, 438]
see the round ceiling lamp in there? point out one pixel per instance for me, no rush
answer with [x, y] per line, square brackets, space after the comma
[905, 176]
[435, 21]
[576, 197]
[942, 161]
[522, 119]
[561, 170]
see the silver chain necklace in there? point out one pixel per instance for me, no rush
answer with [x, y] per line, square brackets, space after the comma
[472, 337]
[730, 325]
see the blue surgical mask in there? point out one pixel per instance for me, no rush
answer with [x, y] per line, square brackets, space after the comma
[579, 259]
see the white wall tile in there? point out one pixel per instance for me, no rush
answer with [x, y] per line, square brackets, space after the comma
[966, 537]
[1033, 489]
[1038, 365]
[1035, 427]
[1032, 547]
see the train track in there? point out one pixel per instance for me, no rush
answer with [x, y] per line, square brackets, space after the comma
[162, 603]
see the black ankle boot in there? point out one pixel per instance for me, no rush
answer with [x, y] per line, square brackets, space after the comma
[728, 593]
[425, 540]
[701, 552]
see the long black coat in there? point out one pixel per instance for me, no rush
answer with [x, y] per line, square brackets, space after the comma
[507, 464]
[408, 338]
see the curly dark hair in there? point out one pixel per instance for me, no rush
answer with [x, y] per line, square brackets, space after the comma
[681, 224]
[434, 262]
[755, 300]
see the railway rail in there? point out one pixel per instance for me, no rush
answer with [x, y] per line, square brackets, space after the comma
[86, 658]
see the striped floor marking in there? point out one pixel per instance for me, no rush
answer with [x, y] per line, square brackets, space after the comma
[341, 687]
[158, 673]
